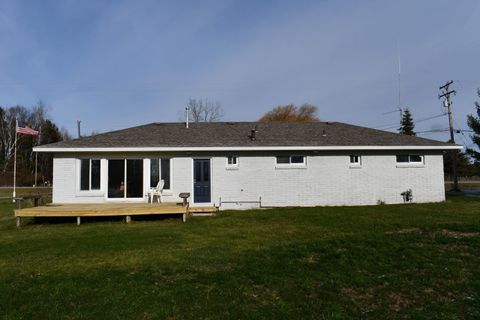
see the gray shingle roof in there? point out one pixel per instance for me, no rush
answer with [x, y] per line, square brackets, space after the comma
[236, 134]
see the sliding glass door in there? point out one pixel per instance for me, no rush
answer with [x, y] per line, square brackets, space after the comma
[116, 178]
[134, 178]
[125, 178]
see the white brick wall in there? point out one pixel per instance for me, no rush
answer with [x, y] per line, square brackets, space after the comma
[66, 185]
[327, 179]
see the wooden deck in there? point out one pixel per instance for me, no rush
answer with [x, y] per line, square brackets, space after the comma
[108, 209]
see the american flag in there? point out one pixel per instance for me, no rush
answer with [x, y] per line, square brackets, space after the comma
[27, 130]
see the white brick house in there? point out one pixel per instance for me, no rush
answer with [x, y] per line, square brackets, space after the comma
[245, 165]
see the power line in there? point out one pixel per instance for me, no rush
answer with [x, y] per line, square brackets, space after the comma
[391, 126]
[431, 131]
[462, 132]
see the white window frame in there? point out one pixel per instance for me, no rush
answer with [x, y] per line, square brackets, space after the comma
[125, 182]
[89, 175]
[232, 166]
[410, 163]
[290, 164]
[356, 164]
[159, 159]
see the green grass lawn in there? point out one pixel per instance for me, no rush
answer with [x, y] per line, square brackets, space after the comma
[377, 262]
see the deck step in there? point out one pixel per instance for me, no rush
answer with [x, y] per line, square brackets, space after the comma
[202, 210]
[203, 214]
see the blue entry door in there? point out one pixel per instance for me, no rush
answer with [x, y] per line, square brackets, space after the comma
[201, 180]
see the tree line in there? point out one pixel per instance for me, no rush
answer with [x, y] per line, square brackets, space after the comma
[37, 118]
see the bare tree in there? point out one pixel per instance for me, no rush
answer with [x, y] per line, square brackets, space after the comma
[204, 110]
[66, 136]
[35, 117]
[7, 133]
[290, 112]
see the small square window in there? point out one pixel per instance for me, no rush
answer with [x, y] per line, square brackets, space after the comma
[232, 161]
[402, 158]
[355, 159]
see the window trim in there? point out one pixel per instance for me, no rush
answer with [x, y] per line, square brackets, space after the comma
[125, 181]
[410, 163]
[89, 175]
[290, 164]
[357, 164]
[159, 160]
[232, 166]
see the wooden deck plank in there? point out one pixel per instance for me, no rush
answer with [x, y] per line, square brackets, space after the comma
[92, 210]
[202, 209]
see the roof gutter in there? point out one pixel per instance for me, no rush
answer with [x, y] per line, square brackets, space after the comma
[273, 148]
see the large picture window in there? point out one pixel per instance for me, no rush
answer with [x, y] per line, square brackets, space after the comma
[160, 169]
[89, 174]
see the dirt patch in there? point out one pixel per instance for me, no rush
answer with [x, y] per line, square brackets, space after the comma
[399, 301]
[406, 230]
[453, 247]
[312, 259]
[357, 296]
[217, 267]
[264, 295]
[458, 234]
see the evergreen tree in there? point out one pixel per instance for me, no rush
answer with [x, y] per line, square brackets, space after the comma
[49, 134]
[407, 125]
[474, 124]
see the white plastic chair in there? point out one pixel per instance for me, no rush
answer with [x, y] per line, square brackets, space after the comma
[157, 191]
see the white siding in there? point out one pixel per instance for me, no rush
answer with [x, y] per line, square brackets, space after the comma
[327, 179]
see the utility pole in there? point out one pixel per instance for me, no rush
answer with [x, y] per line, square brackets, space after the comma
[78, 128]
[447, 103]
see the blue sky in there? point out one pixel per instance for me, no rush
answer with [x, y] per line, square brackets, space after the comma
[115, 64]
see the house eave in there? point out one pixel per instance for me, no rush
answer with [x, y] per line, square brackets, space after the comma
[264, 148]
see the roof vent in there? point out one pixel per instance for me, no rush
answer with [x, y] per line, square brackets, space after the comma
[324, 134]
[252, 134]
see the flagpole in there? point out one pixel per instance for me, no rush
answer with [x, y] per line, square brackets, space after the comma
[15, 163]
